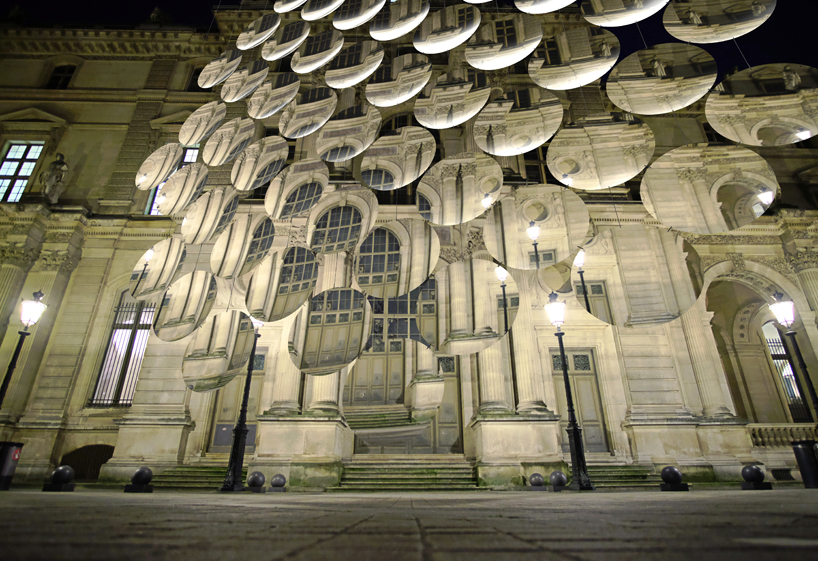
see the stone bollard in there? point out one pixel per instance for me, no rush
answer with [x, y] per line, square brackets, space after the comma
[140, 481]
[61, 480]
[255, 482]
[277, 483]
[754, 479]
[672, 478]
[535, 483]
[558, 480]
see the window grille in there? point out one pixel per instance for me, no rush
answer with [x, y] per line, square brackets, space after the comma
[784, 368]
[337, 229]
[123, 357]
[301, 200]
[16, 168]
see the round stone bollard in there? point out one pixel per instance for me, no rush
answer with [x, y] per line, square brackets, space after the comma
[672, 478]
[142, 476]
[558, 479]
[754, 479]
[140, 481]
[277, 483]
[61, 480]
[536, 480]
[255, 481]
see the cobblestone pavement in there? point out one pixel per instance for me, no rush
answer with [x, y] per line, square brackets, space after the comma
[702, 526]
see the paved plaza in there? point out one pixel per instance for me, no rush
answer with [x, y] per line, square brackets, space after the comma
[722, 525]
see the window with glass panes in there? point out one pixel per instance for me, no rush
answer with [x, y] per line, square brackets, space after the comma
[337, 229]
[536, 170]
[16, 169]
[783, 366]
[506, 34]
[597, 298]
[262, 241]
[301, 200]
[190, 156]
[379, 263]
[424, 207]
[61, 77]
[548, 257]
[299, 271]
[550, 52]
[318, 44]
[348, 57]
[512, 305]
[123, 355]
[465, 16]
[426, 312]
[229, 213]
[479, 79]
[335, 328]
[292, 31]
[379, 179]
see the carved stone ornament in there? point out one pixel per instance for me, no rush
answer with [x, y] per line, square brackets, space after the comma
[18, 255]
[57, 260]
[53, 179]
[803, 260]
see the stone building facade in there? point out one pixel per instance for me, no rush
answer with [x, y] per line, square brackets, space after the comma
[709, 390]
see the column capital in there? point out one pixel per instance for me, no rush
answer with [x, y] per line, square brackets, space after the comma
[19, 255]
[803, 260]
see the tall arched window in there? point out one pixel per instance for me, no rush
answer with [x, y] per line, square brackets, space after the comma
[379, 263]
[379, 179]
[784, 368]
[337, 229]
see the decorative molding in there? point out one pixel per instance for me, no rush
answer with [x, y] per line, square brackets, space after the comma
[803, 260]
[18, 255]
[57, 260]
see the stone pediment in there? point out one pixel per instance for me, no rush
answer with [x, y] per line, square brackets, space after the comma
[31, 119]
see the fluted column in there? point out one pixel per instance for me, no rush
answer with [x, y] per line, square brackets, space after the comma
[697, 179]
[15, 262]
[286, 379]
[494, 394]
[528, 367]
[708, 372]
[323, 395]
[458, 299]
[805, 264]
[483, 299]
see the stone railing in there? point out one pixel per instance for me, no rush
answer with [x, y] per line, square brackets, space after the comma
[780, 435]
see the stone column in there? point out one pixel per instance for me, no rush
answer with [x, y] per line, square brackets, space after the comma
[483, 300]
[15, 261]
[323, 395]
[286, 380]
[528, 366]
[494, 395]
[708, 372]
[697, 179]
[805, 264]
[458, 299]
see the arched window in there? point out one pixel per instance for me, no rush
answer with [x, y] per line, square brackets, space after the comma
[379, 263]
[299, 271]
[784, 368]
[301, 200]
[424, 207]
[261, 242]
[123, 357]
[229, 213]
[267, 174]
[338, 229]
[378, 179]
[61, 77]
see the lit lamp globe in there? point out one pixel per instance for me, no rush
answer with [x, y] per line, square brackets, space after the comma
[783, 310]
[533, 231]
[487, 200]
[569, 181]
[803, 134]
[256, 324]
[32, 310]
[501, 273]
[148, 256]
[579, 260]
[555, 310]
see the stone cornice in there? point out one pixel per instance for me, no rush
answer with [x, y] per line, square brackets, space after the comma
[109, 43]
[117, 96]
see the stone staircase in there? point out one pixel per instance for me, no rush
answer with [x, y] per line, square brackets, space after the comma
[362, 418]
[428, 473]
[193, 478]
[623, 477]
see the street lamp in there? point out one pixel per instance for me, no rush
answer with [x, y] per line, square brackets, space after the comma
[766, 197]
[502, 275]
[233, 480]
[487, 200]
[579, 261]
[29, 315]
[569, 181]
[147, 257]
[533, 232]
[580, 480]
[784, 312]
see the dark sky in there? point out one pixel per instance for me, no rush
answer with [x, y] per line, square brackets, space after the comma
[788, 36]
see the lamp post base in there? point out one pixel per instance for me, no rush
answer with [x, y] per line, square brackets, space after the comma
[579, 471]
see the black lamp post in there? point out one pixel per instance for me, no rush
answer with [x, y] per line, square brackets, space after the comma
[533, 232]
[580, 480]
[29, 315]
[784, 312]
[233, 479]
[579, 261]
[147, 258]
[502, 274]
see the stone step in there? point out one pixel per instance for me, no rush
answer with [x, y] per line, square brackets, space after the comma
[402, 489]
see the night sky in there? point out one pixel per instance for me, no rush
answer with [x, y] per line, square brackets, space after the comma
[788, 36]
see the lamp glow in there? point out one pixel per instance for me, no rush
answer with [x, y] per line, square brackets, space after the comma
[487, 200]
[567, 180]
[579, 260]
[533, 231]
[148, 256]
[501, 273]
[783, 310]
[803, 134]
[555, 310]
[32, 310]
[766, 197]
[256, 323]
